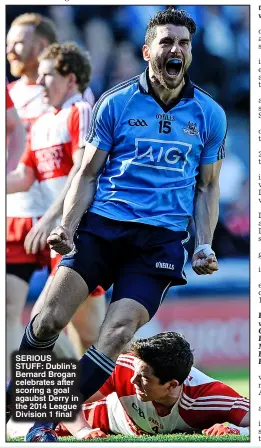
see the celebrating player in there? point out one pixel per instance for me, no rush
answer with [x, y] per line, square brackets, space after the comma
[156, 143]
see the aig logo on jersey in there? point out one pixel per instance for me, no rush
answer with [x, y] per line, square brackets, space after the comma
[161, 154]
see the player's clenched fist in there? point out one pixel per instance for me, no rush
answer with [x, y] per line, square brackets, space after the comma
[221, 429]
[204, 260]
[61, 240]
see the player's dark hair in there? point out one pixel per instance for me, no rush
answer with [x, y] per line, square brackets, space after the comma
[43, 26]
[168, 354]
[70, 58]
[169, 16]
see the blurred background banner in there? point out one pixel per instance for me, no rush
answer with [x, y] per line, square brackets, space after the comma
[212, 312]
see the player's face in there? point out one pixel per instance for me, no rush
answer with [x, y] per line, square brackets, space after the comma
[22, 50]
[55, 85]
[169, 54]
[147, 385]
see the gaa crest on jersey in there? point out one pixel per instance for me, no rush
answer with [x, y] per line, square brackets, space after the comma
[191, 129]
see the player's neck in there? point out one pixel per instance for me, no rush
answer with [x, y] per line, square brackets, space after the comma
[165, 95]
[70, 93]
[170, 400]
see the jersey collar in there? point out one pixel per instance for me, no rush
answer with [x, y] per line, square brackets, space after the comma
[72, 100]
[68, 103]
[145, 87]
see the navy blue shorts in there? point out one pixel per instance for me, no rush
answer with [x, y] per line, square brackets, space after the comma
[141, 261]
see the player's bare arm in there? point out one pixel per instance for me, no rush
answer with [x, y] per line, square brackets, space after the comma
[37, 236]
[78, 199]
[206, 217]
[80, 428]
[20, 179]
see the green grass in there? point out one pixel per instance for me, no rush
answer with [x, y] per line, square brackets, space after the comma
[159, 438]
[238, 380]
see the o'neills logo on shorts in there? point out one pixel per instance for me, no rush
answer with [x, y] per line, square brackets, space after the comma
[161, 265]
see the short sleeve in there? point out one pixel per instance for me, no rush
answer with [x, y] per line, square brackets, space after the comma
[212, 403]
[214, 148]
[101, 129]
[78, 123]
[109, 386]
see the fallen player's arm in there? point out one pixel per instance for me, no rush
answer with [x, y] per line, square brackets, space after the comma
[21, 179]
[80, 428]
[220, 429]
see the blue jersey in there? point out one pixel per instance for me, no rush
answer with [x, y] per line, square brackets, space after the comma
[154, 151]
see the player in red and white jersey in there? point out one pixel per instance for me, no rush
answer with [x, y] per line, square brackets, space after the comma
[155, 390]
[28, 36]
[56, 143]
[15, 134]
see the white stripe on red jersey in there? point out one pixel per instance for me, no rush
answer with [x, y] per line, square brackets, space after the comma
[203, 402]
[54, 139]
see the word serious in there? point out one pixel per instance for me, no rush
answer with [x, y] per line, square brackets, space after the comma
[44, 388]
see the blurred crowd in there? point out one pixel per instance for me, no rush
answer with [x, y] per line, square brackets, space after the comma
[114, 35]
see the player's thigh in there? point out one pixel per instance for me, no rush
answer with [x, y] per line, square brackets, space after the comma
[89, 317]
[135, 299]
[123, 319]
[92, 258]
[66, 293]
[144, 289]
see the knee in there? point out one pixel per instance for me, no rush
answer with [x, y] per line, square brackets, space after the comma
[48, 323]
[116, 335]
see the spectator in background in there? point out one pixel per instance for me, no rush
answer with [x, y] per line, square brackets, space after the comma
[232, 232]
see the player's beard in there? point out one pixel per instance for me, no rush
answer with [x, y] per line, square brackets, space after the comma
[159, 72]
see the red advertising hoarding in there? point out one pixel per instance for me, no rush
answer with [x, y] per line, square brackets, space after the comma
[218, 330]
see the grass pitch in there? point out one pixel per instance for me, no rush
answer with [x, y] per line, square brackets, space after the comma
[239, 382]
[170, 438]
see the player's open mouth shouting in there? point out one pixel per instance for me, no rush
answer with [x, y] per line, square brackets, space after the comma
[173, 67]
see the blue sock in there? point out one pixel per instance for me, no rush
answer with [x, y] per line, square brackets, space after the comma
[29, 342]
[96, 368]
